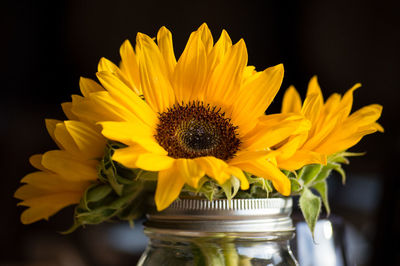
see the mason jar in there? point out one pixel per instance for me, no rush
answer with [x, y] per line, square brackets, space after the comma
[220, 233]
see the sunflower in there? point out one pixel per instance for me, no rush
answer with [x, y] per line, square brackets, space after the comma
[63, 174]
[202, 115]
[333, 128]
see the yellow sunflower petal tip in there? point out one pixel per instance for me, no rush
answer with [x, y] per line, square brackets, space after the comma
[356, 86]
[125, 45]
[140, 37]
[314, 78]
[203, 26]
[163, 31]
[280, 68]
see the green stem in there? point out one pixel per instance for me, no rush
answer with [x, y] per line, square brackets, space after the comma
[230, 254]
[218, 253]
[210, 252]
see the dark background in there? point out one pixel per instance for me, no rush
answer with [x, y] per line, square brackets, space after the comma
[46, 46]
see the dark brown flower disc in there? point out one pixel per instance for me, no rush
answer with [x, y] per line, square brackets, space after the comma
[194, 130]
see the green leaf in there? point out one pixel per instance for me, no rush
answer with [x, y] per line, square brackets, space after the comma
[296, 185]
[112, 179]
[322, 189]
[338, 168]
[231, 187]
[353, 154]
[325, 172]
[342, 173]
[290, 174]
[340, 157]
[310, 206]
[285, 172]
[147, 175]
[71, 229]
[309, 172]
[125, 175]
[97, 193]
[207, 188]
[134, 210]
[260, 182]
[96, 216]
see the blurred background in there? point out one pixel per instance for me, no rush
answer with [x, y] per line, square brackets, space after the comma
[47, 45]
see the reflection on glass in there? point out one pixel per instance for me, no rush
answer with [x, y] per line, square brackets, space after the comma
[322, 250]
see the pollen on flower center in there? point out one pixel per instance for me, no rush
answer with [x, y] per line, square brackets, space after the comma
[194, 130]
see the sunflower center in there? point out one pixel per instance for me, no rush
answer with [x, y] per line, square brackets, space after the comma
[194, 130]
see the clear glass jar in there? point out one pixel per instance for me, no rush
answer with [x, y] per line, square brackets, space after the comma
[218, 233]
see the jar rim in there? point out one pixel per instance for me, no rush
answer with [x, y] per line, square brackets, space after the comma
[222, 215]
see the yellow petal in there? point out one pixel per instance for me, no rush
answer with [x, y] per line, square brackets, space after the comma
[378, 127]
[189, 171]
[288, 149]
[349, 133]
[219, 51]
[51, 127]
[53, 183]
[65, 139]
[36, 161]
[138, 157]
[276, 119]
[341, 143]
[154, 162]
[169, 185]
[300, 159]
[67, 109]
[156, 86]
[125, 132]
[45, 206]
[129, 66]
[347, 102]
[206, 37]
[268, 171]
[312, 107]
[191, 71]
[249, 156]
[257, 95]
[238, 173]
[87, 139]
[332, 103]
[291, 101]
[133, 133]
[164, 41]
[364, 116]
[69, 167]
[322, 127]
[88, 86]
[106, 65]
[125, 96]
[249, 74]
[102, 107]
[28, 191]
[76, 99]
[269, 136]
[214, 168]
[226, 78]
[314, 88]
[150, 145]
